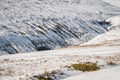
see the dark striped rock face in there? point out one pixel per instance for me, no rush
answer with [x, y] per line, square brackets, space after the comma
[35, 25]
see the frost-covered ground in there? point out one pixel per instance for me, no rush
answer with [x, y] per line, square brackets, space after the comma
[34, 25]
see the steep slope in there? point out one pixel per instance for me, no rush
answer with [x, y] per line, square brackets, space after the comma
[36, 25]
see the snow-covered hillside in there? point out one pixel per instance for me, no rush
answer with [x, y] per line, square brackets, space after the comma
[36, 25]
[102, 49]
[26, 66]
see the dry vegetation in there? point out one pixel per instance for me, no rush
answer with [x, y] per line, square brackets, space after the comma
[48, 75]
[88, 66]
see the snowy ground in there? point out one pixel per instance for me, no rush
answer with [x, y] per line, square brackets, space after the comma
[14, 67]
[104, 74]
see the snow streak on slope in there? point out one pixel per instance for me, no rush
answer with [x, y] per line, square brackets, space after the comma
[47, 24]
